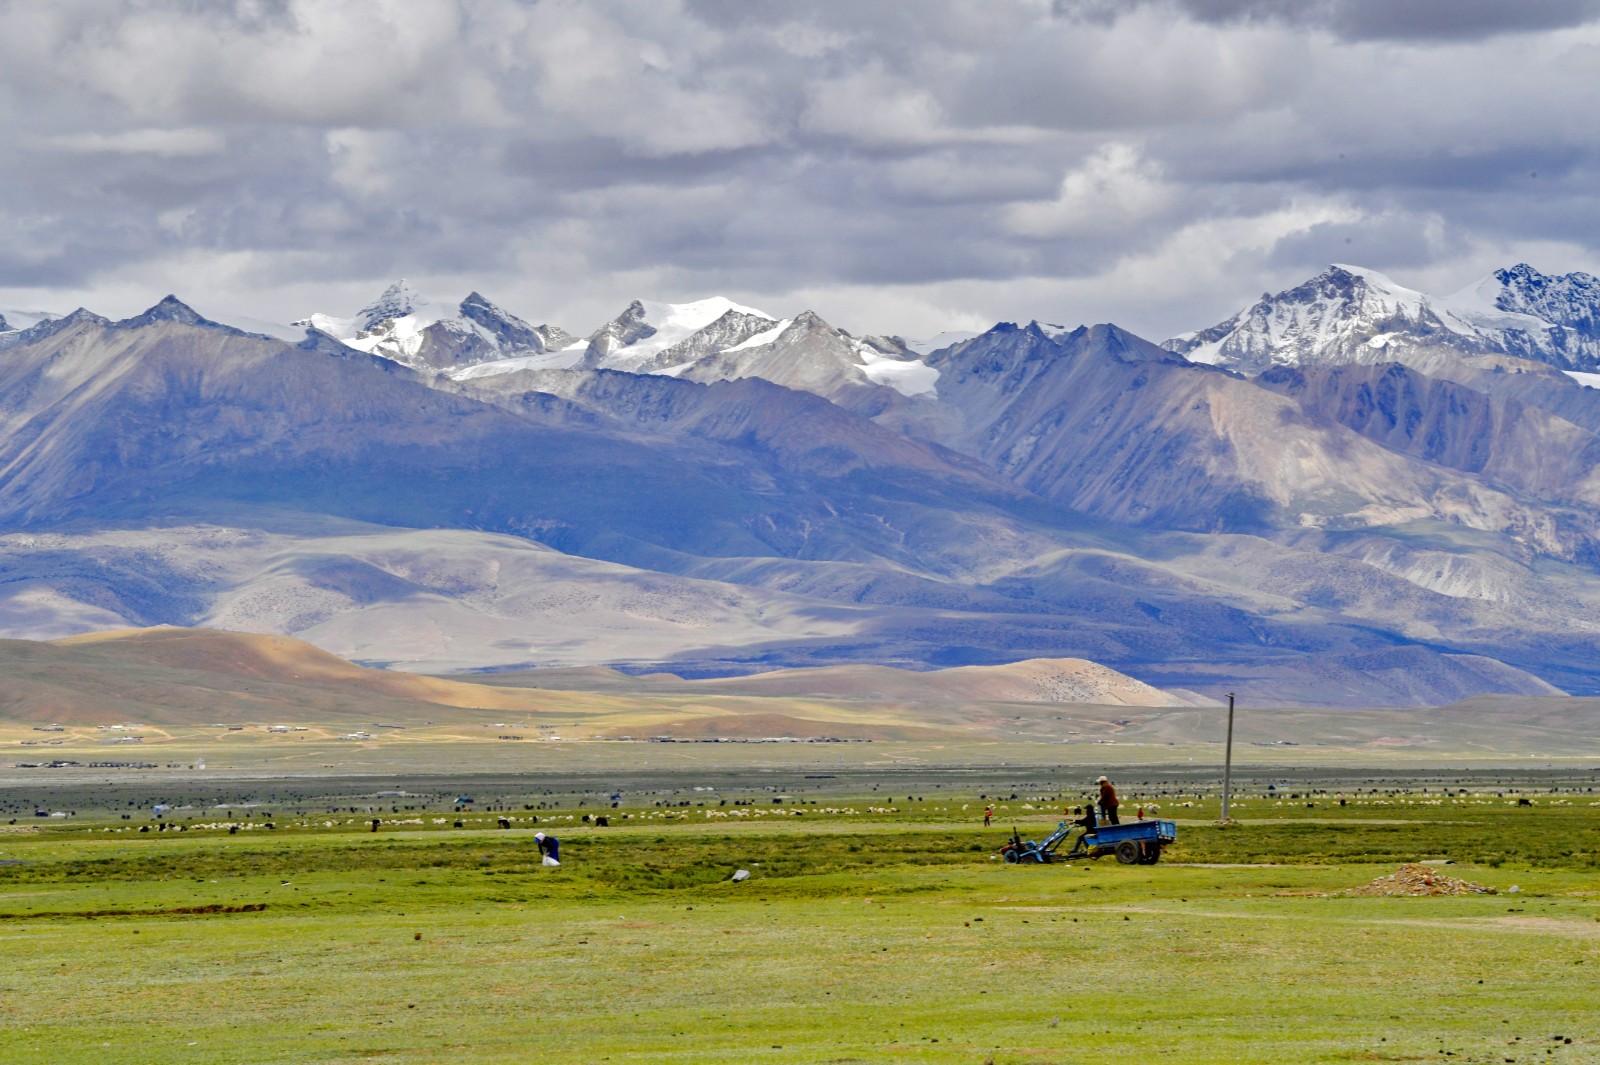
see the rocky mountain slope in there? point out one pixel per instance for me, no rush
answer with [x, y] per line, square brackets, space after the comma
[704, 488]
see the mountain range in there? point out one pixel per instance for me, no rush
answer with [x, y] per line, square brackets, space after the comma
[1349, 493]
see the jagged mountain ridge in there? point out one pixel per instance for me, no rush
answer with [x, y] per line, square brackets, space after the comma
[955, 545]
[427, 335]
[1109, 424]
[1349, 314]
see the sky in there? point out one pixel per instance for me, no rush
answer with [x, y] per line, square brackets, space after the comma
[896, 167]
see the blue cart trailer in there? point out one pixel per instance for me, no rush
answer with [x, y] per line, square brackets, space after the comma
[1135, 843]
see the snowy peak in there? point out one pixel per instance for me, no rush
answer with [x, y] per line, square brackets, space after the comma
[641, 339]
[399, 300]
[1571, 300]
[628, 328]
[510, 332]
[405, 327]
[1331, 317]
[734, 329]
[1349, 314]
[808, 354]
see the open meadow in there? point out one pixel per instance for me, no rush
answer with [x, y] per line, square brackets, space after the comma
[190, 870]
[874, 927]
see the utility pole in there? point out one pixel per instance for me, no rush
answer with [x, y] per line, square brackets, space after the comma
[1227, 763]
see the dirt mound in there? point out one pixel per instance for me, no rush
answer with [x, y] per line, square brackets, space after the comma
[1420, 880]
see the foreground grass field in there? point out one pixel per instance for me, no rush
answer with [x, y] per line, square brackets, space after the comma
[862, 935]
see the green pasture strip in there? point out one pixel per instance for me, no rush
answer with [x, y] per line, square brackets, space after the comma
[894, 960]
[1545, 835]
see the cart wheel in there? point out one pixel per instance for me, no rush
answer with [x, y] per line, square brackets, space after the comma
[1151, 855]
[1127, 852]
[1011, 857]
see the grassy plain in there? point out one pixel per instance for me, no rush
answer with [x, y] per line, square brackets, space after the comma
[873, 928]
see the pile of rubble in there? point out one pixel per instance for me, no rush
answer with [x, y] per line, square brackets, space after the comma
[1420, 880]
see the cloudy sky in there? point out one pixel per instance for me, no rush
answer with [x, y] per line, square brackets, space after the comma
[896, 166]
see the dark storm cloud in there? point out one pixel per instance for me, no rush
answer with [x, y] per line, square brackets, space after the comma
[904, 166]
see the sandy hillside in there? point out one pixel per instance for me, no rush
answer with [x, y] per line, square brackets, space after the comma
[1038, 680]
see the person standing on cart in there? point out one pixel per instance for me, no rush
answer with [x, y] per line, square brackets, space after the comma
[1108, 802]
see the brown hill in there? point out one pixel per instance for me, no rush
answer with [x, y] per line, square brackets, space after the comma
[173, 676]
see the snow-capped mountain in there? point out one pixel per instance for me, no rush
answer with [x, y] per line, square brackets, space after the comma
[1322, 532]
[429, 335]
[651, 337]
[1571, 300]
[1344, 314]
[1348, 314]
[808, 354]
[716, 339]
[1553, 319]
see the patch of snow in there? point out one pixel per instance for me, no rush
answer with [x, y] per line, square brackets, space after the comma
[291, 333]
[1478, 297]
[564, 359]
[909, 377]
[1587, 380]
[762, 338]
[1475, 305]
[1207, 353]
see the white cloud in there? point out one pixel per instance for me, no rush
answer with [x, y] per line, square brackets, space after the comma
[904, 167]
[1113, 190]
[873, 107]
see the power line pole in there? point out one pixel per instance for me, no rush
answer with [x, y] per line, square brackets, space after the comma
[1227, 763]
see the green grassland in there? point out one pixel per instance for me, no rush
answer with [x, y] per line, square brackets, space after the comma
[872, 929]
